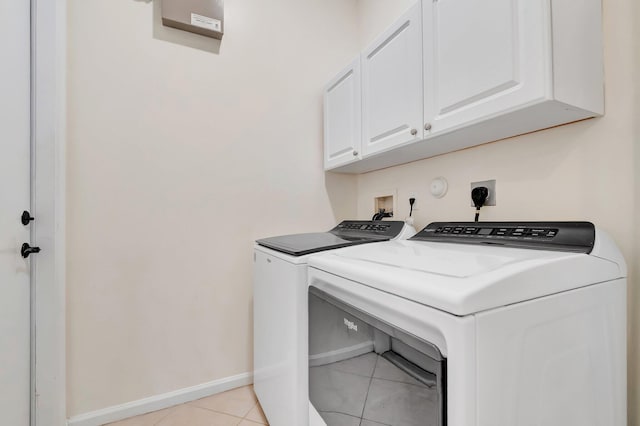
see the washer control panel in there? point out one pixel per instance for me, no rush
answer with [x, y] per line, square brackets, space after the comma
[367, 228]
[561, 236]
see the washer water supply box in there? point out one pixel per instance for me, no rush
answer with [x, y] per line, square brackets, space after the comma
[204, 17]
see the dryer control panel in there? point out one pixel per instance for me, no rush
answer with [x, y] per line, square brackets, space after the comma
[576, 237]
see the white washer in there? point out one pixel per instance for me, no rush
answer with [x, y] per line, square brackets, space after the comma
[471, 324]
[280, 311]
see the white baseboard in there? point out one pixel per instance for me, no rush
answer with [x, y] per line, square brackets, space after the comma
[158, 402]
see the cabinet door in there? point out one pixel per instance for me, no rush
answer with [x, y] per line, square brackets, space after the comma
[483, 58]
[392, 85]
[343, 117]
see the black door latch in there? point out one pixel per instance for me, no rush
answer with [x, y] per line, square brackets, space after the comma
[27, 250]
[26, 218]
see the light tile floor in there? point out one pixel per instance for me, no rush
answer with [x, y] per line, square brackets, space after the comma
[237, 407]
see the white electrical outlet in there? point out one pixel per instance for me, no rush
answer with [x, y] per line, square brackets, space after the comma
[491, 185]
[416, 204]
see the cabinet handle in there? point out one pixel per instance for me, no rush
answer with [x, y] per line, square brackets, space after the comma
[414, 132]
[427, 127]
[355, 153]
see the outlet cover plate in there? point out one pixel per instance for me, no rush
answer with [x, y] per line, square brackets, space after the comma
[491, 185]
[416, 205]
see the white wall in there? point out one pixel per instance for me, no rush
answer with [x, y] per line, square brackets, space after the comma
[181, 152]
[588, 170]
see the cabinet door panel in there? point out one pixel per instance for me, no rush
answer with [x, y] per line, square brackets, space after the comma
[392, 85]
[343, 117]
[483, 58]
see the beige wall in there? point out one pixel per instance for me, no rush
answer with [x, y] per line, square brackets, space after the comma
[178, 158]
[375, 15]
[633, 259]
[183, 151]
[588, 170]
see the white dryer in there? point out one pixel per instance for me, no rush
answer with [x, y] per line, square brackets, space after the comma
[471, 324]
[280, 311]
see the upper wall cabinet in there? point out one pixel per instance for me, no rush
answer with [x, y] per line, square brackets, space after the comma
[482, 58]
[490, 70]
[485, 59]
[392, 86]
[343, 117]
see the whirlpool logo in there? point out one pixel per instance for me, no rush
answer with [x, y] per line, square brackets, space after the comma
[351, 325]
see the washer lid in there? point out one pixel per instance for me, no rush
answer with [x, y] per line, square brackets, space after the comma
[301, 244]
[464, 279]
[347, 233]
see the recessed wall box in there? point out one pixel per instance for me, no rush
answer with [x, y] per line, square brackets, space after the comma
[384, 201]
[204, 17]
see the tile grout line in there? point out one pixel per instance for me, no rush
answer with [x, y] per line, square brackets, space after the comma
[249, 412]
[222, 412]
[368, 389]
[215, 411]
[169, 412]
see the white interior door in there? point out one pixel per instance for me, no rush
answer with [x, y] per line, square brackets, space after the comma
[14, 198]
